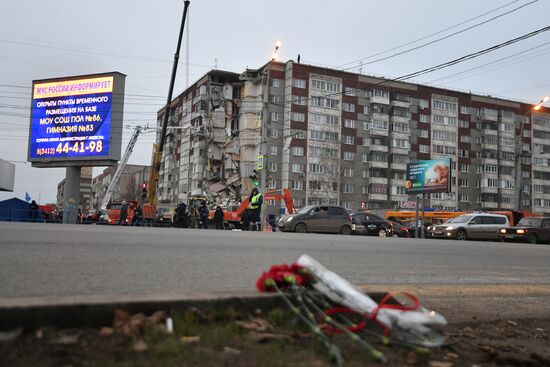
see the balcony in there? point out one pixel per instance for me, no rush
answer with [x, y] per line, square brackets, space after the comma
[489, 204]
[377, 164]
[398, 166]
[398, 103]
[509, 206]
[489, 190]
[378, 132]
[399, 198]
[378, 197]
[378, 148]
[381, 100]
[378, 180]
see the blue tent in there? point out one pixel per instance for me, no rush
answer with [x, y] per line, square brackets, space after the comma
[17, 210]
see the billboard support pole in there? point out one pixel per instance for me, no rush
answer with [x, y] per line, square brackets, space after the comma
[71, 194]
[423, 233]
[416, 217]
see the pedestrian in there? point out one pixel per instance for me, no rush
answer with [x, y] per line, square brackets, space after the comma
[34, 208]
[203, 215]
[245, 220]
[137, 219]
[218, 217]
[255, 205]
[123, 213]
[181, 216]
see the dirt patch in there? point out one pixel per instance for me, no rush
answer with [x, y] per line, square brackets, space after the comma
[227, 338]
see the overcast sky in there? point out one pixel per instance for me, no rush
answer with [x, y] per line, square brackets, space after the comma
[53, 38]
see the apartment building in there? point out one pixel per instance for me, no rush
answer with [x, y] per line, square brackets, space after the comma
[128, 188]
[343, 138]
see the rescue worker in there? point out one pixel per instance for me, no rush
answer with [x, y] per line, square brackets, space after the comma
[255, 206]
[245, 220]
[137, 219]
[218, 217]
[203, 213]
[181, 216]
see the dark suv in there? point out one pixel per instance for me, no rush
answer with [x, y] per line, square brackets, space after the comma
[317, 218]
[370, 224]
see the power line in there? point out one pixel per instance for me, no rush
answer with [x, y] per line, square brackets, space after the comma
[438, 39]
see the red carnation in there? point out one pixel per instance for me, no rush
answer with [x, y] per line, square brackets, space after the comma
[265, 283]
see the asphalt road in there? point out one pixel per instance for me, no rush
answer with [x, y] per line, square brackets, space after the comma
[39, 260]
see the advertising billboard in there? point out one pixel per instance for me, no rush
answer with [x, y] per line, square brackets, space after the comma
[76, 121]
[429, 176]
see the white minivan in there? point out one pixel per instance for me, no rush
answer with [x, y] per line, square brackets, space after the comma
[472, 226]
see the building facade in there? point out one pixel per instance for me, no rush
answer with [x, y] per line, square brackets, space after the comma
[85, 190]
[128, 188]
[343, 138]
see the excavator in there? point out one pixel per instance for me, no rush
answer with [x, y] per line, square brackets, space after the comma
[233, 218]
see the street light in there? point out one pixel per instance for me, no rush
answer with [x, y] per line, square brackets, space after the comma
[539, 105]
[275, 54]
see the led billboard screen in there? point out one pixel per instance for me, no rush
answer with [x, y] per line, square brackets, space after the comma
[429, 176]
[76, 119]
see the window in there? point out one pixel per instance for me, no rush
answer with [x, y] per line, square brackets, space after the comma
[347, 189]
[349, 91]
[273, 150]
[442, 149]
[272, 167]
[401, 127]
[463, 153]
[444, 120]
[526, 189]
[348, 205]
[348, 107]
[424, 148]
[400, 143]
[348, 172]
[465, 110]
[423, 103]
[323, 119]
[366, 109]
[298, 151]
[272, 184]
[443, 135]
[378, 156]
[274, 116]
[463, 124]
[297, 168]
[299, 100]
[333, 87]
[323, 135]
[349, 156]
[349, 123]
[490, 168]
[424, 133]
[380, 93]
[400, 158]
[365, 157]
[378, 189]
[325, 102]
[298, 83]
[322, 152]
[463, 182]
[276, 99]
[425, 119]
[526, 133]
[506, 126]
[318, 84]
[398, 190]
[505, 184]
[296, 185]
[399, 175]
[315, 185]
[443, 105]
[506, 141]
[378, 124]
[463, 198]
[348, 139]
[276, 83]
[300, 117]
[273, 133]
[490, 182]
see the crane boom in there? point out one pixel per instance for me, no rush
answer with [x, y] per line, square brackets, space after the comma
[116, 177]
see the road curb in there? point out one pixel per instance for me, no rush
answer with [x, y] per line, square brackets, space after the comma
[84, 311]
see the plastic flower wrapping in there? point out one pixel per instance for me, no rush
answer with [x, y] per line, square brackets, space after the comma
[329, 304]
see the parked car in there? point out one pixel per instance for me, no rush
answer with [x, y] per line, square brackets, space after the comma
[370, 224]
[478, 226]
[399, 230]
[317, 218]
[532, 230]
